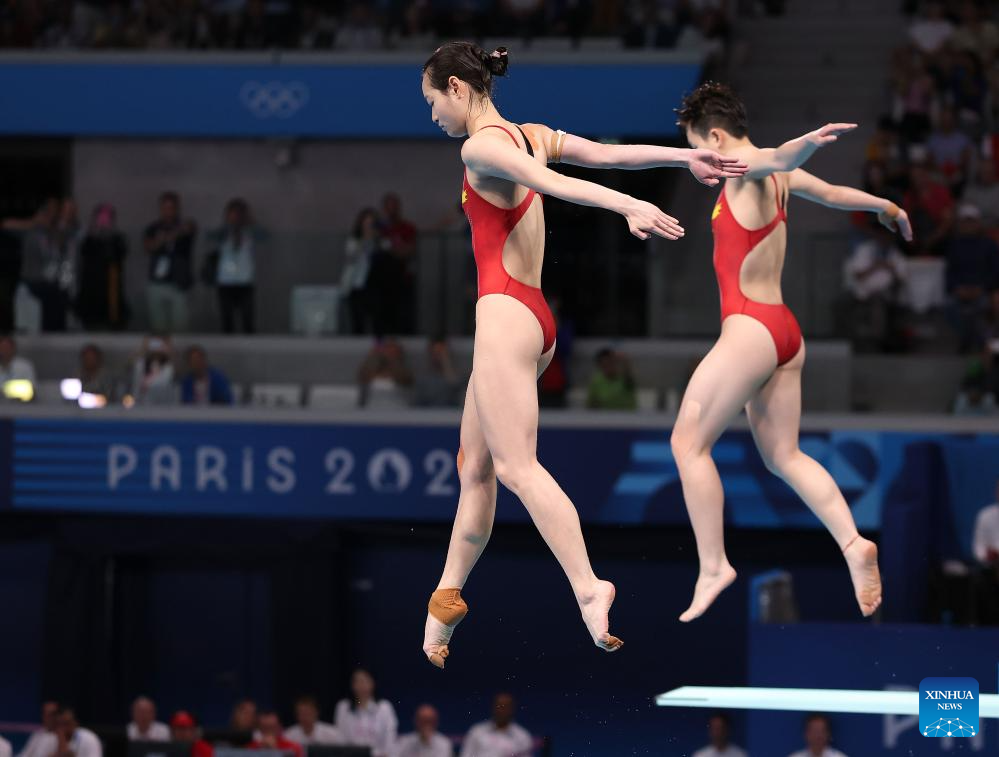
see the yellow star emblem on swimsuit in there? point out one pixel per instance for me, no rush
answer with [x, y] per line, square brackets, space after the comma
[716, 211]
[464, 196]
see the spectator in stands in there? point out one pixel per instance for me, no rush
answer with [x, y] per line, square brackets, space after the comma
[366, 721]
[931, 31]
[184, 729]
[952, 151]
[983, 193]
[204, 384]
[384, 377]
[650, 24]
[315, 28]
[930, 205]
[438, 385]
[94, 378]
[985, 542]
[272, 735]
[100, 298]
[975, 397]
[718, 732]
[972, 275]
[153, 373]
[873, 275]
[169, 242]
[915, 97]
[612, 387]
[72, 740]
[990, 358]
[977, 35]
[985, 545]
[393, 275]
[310, 729]
[144, 726]
[426, 741]
[360, 29]
[234, 264]
[41, 254]
[244, 717]
[818, 737]
[364, 244]
[43, 742]
[500, 736]
[13, 367]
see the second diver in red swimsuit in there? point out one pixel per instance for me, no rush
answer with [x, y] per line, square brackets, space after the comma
[756, 362]
[505, 174]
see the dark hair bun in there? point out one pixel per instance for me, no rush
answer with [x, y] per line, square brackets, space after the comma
[498, 61]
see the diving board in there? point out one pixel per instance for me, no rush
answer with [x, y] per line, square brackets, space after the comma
[808, 700]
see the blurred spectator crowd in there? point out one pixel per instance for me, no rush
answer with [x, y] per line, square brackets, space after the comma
[936, 153]
[348, 25]
[362, 721]
[73, 273]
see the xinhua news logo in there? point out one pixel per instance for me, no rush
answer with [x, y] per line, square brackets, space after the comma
[948, 707]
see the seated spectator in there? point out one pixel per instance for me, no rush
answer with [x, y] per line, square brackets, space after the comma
[72, 740]
[184, 729]
[244, 717]
[153, 374]
[983, 193]
[272, 736]
[977, 35]
[100, 299]
[94, 378]
[203, 384]
[818, 736]
[975, 397]
[931, 31]
[13, 367]
[930, 205]
[985, 542]
[366, 721]
[873, 275]
[991, 338]
[952, 151]
[972, 275]
[612, 387]
[309, 729]
[718, 732]
[426, 741]
[500, 736]
[439, 385]
[233, 264]
[384, 377]
[42, 743]
[144, 726]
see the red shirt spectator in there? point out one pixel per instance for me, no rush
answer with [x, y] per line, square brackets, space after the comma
[400, 233]
[184, 728]
[272, 736]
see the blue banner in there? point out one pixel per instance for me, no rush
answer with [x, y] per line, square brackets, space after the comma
[323, 100]
[613, 475]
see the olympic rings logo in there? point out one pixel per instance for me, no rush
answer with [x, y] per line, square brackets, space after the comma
[274, 99]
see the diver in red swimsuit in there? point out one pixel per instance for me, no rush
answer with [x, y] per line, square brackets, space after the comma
[505, 174]
[756, 362]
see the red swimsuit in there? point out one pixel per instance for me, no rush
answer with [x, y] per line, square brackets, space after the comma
[491, 225]
[733, 243]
